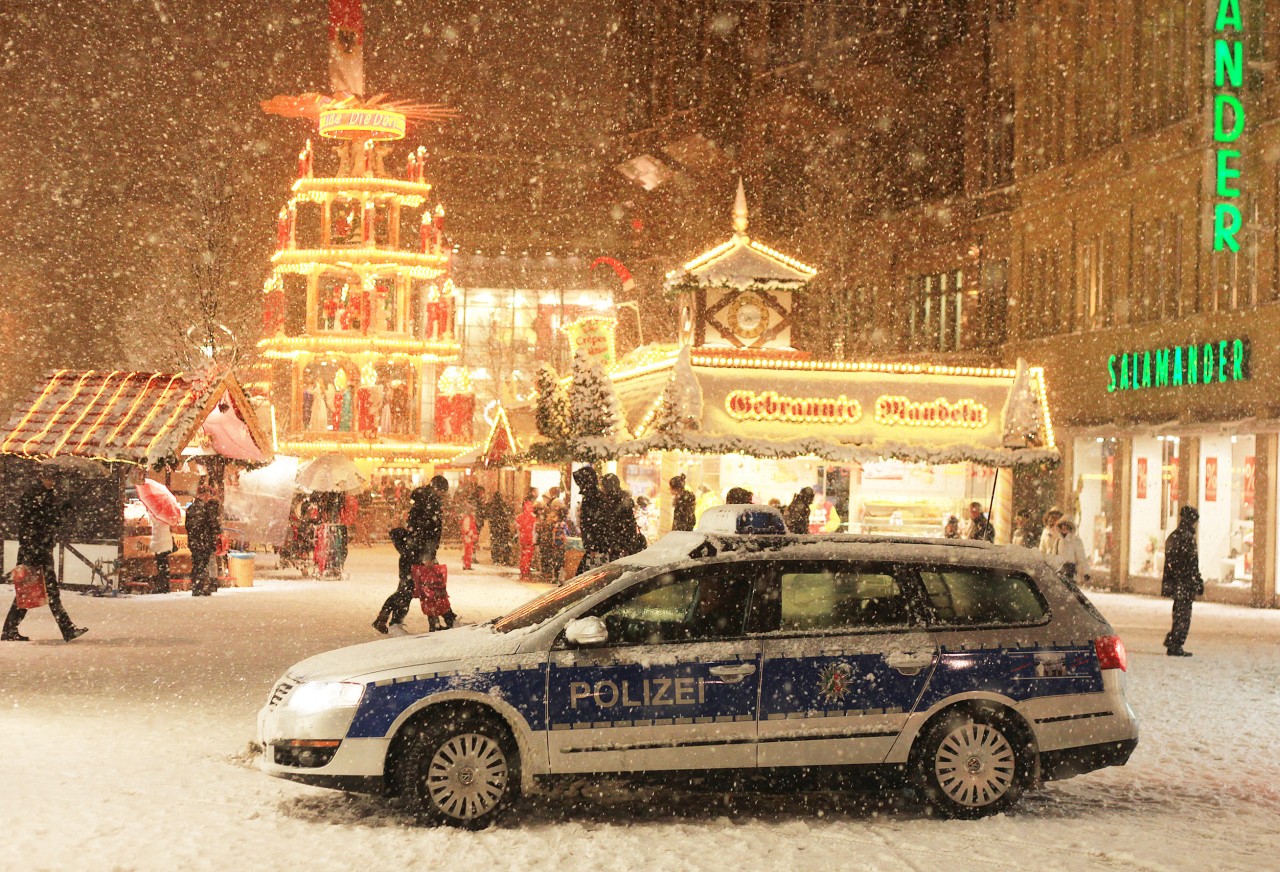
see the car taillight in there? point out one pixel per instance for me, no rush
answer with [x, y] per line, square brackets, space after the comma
[1111, 653]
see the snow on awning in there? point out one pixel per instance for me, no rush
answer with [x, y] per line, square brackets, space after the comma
[135, 417]
[779, 406]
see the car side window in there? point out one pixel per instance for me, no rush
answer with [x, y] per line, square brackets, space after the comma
[696, 605]
[839, 596]
[974, 596]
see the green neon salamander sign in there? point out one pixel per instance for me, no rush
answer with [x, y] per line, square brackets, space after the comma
[1208, 363]
[1228, 123]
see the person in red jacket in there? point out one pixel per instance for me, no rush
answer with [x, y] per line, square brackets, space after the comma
[526, 523]
[470, 535]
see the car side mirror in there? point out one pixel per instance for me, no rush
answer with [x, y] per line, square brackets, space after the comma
[586, 631]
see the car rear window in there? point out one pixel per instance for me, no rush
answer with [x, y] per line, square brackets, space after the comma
[969, 596]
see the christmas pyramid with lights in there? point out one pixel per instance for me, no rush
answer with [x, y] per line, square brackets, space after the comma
[359, 310]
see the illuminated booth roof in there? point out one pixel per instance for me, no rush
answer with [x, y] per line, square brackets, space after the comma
[770, 405]
[141, 418]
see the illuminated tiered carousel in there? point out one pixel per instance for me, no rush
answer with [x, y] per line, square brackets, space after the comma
[359, 311]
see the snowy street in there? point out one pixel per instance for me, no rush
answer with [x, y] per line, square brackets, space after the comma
[129, 749]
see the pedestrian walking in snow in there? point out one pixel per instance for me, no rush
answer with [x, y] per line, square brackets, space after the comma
[683, 508]
[40, 512]
[204, 528]
[526, 527]
[417, 542]
[551, 536]
[1075, 562]
[592, 519]
[738, 496]
[979, 526]
[1182, 580]
[796, 514]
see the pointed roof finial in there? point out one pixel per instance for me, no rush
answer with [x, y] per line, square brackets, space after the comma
[740, 210]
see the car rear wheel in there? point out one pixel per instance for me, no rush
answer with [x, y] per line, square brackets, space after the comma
[972, 763]
[463, 772]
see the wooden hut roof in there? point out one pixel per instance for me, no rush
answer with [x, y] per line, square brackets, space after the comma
[133, 417]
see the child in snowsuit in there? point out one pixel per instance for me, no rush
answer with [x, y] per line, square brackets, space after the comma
[470, 536]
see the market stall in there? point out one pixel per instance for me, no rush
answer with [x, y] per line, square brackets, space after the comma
[122, 429]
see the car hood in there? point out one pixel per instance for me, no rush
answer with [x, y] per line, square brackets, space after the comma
[415, 652]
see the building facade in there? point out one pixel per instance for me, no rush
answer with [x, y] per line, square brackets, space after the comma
[997, 179]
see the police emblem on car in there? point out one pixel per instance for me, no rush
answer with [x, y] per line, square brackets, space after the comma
[970, 671]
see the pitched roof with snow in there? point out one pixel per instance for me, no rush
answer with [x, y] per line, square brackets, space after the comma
[134, 417]
[741, 261]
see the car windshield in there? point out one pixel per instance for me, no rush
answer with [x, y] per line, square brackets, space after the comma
[553, 601]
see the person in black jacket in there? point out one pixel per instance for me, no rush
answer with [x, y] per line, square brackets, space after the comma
[796, 514]
[593, 519]
[1182, 580]
[204, 527]
[39, 514]
[684, 515]
[417, 542]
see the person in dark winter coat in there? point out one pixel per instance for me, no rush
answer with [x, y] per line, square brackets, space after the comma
[1182, 580]
[684, 515]
[796, 514]
[417, 542]
[500, 520]
[40, 512]
[204, 527]
[979, 526]
[738, 496]
[593, 519]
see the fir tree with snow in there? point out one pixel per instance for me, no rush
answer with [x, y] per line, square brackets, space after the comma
[1021, 416]
[596, 422]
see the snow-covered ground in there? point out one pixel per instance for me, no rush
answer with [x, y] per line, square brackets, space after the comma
[129, 749]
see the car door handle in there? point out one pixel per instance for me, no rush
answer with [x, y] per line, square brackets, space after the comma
[733, 674]
[909, 662]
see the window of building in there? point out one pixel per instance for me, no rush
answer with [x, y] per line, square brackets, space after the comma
[997, 169]
[1226, 485]
[1153, 501]
[1094, 304]
[937, 310]
[786, 32]
[1162, 90]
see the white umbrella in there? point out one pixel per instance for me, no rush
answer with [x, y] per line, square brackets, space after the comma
[331, 473]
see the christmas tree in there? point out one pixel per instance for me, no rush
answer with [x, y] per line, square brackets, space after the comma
[551, 417]
[595, 415]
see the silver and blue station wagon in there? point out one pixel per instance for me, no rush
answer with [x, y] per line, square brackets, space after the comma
[966, 670]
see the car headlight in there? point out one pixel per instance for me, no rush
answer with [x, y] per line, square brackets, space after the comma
[317, 696]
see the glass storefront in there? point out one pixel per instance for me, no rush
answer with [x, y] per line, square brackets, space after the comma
[1153, 501]
[1095, 492]
[1226, 483]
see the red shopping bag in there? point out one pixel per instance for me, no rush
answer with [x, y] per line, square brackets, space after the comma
[28, 587]
[430, 582]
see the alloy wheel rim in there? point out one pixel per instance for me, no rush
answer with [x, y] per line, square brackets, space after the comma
[975, 765]
[467, 776]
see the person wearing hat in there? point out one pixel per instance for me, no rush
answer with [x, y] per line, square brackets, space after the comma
[1049, 535]
[684, 506]
[1182, 581]
[1069, 547]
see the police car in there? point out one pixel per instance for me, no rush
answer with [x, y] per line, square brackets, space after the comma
[969, 670]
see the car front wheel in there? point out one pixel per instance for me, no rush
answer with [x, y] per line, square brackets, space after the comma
[972, 763]
[463, 772]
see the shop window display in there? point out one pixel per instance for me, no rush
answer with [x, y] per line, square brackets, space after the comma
[1226, 483]
[1095, 464]
[1154, 501]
